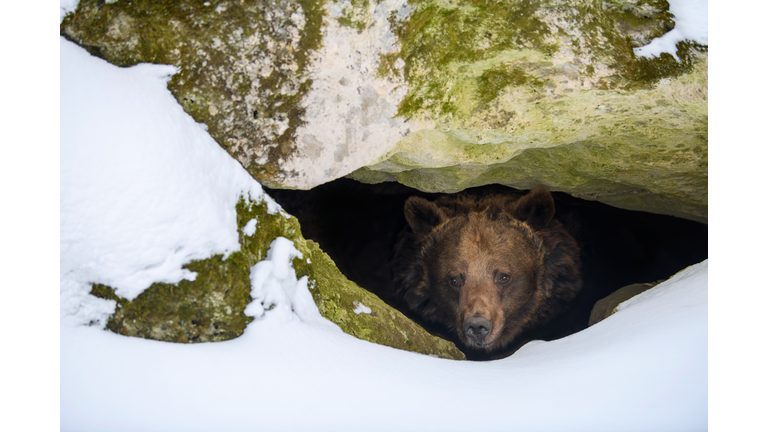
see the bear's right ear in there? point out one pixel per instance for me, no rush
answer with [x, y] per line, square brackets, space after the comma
[422, 215]
[537, 208]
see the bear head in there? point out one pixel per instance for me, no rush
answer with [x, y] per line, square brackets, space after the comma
[487, 269]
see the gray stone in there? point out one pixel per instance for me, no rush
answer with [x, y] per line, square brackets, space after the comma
[439, 95]
[606, 307]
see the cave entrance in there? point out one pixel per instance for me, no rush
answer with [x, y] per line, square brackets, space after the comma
[357, 225]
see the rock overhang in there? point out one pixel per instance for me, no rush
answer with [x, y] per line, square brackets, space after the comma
[438, 95]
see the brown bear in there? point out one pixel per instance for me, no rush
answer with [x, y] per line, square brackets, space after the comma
[485, 269]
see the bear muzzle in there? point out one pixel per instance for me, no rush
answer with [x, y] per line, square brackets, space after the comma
[476, 330]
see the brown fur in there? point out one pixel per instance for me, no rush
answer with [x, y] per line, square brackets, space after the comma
[501, 261]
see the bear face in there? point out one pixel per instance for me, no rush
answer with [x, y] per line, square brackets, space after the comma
[486, 269]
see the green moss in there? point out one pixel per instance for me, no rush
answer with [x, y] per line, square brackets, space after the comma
[438, 35]
[642, 20]
[337, 297]
[493, 81]
[387, 65]
[461, 55]
[623, 26]
[642, 72]
[354, 14]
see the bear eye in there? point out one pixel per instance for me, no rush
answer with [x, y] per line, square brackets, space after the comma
[454, 281]
[504, 278]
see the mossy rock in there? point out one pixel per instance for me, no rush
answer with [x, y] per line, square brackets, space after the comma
[439, 95]
[210, 308]
[550, 94]
[606, 306]
[243, 65]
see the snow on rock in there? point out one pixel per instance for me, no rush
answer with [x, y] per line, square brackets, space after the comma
[360, 308]
[691, 23]
[250, 228]
[275, 288]
[67, 6]
[144, 188]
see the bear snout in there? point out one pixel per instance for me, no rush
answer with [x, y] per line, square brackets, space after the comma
[476, 328]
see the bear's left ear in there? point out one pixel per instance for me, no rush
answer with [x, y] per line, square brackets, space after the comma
[537, 208]
[422, 215]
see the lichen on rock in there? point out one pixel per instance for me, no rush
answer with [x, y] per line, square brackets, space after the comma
[244, 66]
[439, 95]
[350, 112]
[211, 308]
[287, 87]
[550, 94]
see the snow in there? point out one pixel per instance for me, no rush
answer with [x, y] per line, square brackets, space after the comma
[67, 6]
[144, 189]
[142, 171]
[360, 308]
[275, 288]
[250, 227]
[691, 23]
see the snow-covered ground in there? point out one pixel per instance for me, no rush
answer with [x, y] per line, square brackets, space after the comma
[144, 189]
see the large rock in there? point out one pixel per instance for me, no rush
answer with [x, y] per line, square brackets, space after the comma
[288, 87]
[438, 95]
[606, 306]
[533, 94]
[211, 308]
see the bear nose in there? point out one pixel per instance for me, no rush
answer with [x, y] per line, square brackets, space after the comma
[477, 327]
